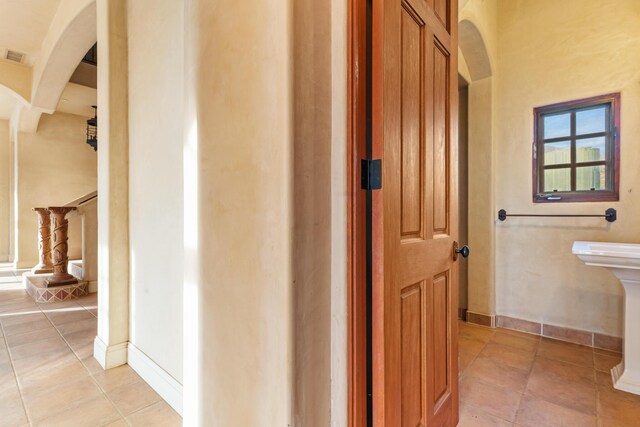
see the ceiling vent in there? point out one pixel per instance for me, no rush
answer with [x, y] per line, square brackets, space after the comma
[14, 56]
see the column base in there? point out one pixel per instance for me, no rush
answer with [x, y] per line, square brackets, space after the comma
[35, 287]
[625, 380]
[60, 280]
[42, 269]
[109, 356]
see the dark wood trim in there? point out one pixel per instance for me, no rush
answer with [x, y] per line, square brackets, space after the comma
[585, 102]
[616, 144]
[582, 196]
[583, 136]
[356, 215]
[614, 149]
[581, 164]
[377, 236]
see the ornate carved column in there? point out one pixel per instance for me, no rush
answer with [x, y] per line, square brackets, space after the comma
[44, 242]
[60, 227]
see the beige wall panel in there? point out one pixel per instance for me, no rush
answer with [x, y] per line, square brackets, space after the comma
[551, 51]
[156, 88]
[5, 193]
[54, 167]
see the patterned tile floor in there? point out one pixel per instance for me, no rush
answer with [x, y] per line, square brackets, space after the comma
[509, 378]
[48, 376]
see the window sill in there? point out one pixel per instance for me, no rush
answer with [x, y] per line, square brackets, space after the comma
[574, 197]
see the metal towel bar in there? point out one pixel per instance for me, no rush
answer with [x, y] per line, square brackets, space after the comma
[610, 215]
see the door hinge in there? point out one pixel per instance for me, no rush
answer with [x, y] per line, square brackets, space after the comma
[371, 174]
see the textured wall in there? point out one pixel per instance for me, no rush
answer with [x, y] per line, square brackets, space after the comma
[156, 99]
[5, 193]
[320, 200]
[478, 31]
[238, 213]
[55, 166]
[551, 51]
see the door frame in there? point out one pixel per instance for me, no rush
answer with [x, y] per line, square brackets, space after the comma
[356, 213]
[361, 366]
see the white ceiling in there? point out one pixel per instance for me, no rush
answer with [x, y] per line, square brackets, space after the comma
[25, 23]
[78, 99]
[23, 28]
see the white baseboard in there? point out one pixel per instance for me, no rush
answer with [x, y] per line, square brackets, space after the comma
[109, 356]
[163, 383]
[93, 286]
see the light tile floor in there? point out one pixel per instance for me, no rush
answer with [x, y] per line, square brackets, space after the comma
[48, 376]
[509, 378]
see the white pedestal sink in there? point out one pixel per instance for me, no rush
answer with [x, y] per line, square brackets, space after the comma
[623, 259]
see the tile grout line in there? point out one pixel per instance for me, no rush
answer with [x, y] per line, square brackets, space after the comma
[67, 343]
[597, 391]
[526, 386]
[91, 374]
[538, 353]
[15, 375]
[74, 354]
[480, 380]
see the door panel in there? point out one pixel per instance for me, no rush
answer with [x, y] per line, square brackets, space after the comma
[440, 139]
[412, 125]
[440, 333]
[414, 216]
[412, 302]
[441, 9]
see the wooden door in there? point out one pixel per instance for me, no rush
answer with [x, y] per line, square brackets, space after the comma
[414, 216]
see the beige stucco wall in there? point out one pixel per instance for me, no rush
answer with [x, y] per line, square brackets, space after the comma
[320, 199]
[552, 51]
[89, 216]
[238, 213]
[5, 194]
[54, 167]
[156, 55]
[478, 67]
[484, 16]
[110, 345]
[481, 196]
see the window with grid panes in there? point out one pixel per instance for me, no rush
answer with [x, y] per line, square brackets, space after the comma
[577, 151]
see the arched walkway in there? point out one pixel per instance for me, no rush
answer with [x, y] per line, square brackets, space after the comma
[481, 188]
[71, 35]
[474, 50]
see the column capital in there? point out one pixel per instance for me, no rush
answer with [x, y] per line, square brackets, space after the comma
[61, 210]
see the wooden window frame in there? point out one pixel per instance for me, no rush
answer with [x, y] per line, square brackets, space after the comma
[612, 162]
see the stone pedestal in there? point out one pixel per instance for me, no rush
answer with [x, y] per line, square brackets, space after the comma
[59, 227]
[35, 286]
[626, 375]
[44, 242]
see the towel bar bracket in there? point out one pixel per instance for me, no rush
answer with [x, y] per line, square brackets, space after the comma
[610, 215]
